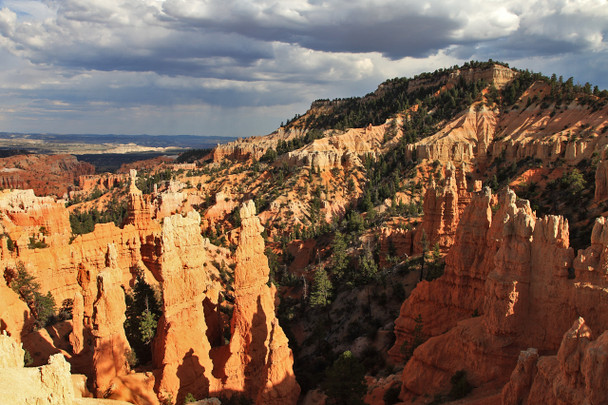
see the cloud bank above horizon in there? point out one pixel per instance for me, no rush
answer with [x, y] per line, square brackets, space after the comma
[240, 67]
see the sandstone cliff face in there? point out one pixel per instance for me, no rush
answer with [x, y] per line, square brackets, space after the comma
[259, 362]
[181, 348]
[394, 241]
[94, 268]
[572, 133]
[527, 299]
[466, 137]
[24, 214]
[442, 210]
[253, 147]
[498, 75]
[64, 267]
[139, 210]
[15, 316]
[601, 178]
[45, 174]
[110, 345]
[69, 268]
[576, 375]
[460, 291]
[106, 181]
[339, 150]
[171, 201]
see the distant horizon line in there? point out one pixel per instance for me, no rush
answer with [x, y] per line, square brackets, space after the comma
[115, 134]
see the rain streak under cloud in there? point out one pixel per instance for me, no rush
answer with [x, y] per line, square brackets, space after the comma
[237, 67]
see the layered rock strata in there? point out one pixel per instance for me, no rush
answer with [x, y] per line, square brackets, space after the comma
[45, 174]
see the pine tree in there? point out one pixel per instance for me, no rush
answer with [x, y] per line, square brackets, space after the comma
[43, 307]
[339, 255]
[344, 383]
[147, 326]
[367, 267]
[425, 248]
[143, 311]
[321, 289]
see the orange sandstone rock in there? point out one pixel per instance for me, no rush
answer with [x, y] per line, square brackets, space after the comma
[15, 317]
[260, 363]
[139, 210]
[576, 375]
[528, 299]
[442, 210]
[45, 174]
[601, 177]
[181, 348]
[110, 343]
[460, 291]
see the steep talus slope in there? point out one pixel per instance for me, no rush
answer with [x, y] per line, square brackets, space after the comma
[464, 139]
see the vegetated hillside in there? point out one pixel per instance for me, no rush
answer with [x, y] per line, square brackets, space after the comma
[379, 237]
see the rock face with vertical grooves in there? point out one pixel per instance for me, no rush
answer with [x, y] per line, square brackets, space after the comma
[110, 346]
[576, 375]
[259, 363]
[527, 299]
[443, 207]
[460, 291]
[181, 348]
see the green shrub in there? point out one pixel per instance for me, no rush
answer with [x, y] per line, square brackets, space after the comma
[10, 244]
[41, 306]
[143, 312]
[34, 243]
[344, 383]
[189, 398]
[27, 358]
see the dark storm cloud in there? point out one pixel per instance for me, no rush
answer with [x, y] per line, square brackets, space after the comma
[78, 55]
[414, 36]
[216, 38]
[358, 28]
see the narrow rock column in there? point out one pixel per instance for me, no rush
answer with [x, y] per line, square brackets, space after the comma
[260, 362]
[110, 345]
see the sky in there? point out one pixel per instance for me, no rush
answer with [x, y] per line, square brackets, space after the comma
[241, 67]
